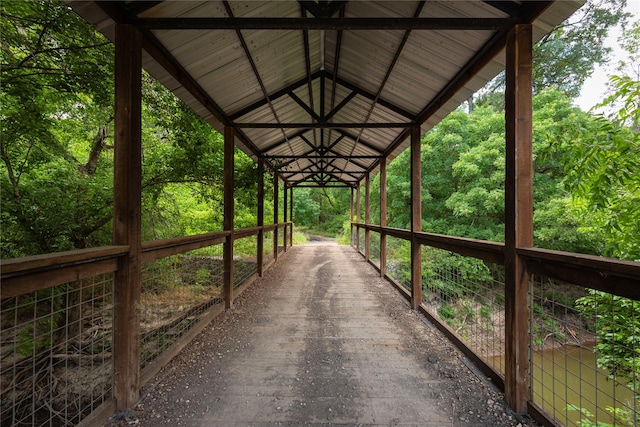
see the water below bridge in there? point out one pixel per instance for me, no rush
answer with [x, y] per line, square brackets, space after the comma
[321, 339]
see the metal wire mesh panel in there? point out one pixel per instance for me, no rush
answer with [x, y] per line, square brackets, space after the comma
[177, 291]
[361, 239]
[354, 236]
[56, 353]
[268, 248]
[374, 250]
[399, 261]
[244, 259]
[585, 353]
[468, 295]
[280, 239]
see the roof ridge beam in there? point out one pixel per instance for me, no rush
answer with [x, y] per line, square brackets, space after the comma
[217, 23]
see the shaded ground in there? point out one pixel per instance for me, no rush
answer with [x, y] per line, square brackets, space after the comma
[320, 340]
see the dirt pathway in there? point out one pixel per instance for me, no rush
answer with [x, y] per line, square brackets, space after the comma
[320, 340]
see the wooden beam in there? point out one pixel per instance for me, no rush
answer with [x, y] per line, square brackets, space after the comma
[291, 216]
[229, 144]
[358, 216]
[367, 216]
[383, 216]
[285, 211]
[325, 125]
[127, 213]
[351, 215]
[471, 24]
[275, 214]
[518, 212]
[416, 219]
[260, 249]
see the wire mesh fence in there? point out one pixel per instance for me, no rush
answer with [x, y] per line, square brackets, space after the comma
[244, 259]
[280, 239]
[585, 354]
[362, 241]
[468, 295]
[177, 292]
[399, 261]
[56, 353]
[374, 249]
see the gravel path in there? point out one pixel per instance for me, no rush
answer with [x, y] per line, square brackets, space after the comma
[320, 340]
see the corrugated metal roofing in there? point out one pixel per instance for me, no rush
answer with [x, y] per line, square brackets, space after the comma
[317, 83]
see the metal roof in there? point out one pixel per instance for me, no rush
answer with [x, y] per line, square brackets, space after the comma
[323, 89]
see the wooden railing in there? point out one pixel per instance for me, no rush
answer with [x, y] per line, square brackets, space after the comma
[563, 269]
[37, 323]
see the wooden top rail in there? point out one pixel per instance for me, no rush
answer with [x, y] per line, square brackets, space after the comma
[29, 264]
[604, 274]
[167, 247]
[29, 274]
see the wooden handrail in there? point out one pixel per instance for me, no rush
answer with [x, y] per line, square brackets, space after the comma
[30, 274]
[610, 275]
[26, 265]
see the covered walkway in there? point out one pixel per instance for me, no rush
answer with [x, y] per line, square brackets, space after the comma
[320, 339]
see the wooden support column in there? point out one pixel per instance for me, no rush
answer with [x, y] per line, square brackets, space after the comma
[229, 136]
[291, 217]
[351, 215]
[285, 209]
[275, 215]
[367, 216]
[358, 217]
[383, 216]
[260, 249]
[127, 217]
[518, 212]
[416, 219]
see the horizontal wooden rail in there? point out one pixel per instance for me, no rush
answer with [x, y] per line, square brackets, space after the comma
[167, 247]
[610, 275]
[481, 249]
[30, 274]
[604, 274]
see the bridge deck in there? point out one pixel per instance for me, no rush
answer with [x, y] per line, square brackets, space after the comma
[321, 339]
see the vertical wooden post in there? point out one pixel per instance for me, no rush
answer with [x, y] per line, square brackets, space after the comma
[260, 249]
[127, 217]
[518, 212]
[229, 136]
[291, 217]
[285, 208]
[383, 216]
[358, 217]
[275, 215]
[367, 216]
[351, 216]
[416, 219]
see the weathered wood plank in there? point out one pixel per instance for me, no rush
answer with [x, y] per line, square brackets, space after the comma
[518, 212]
[229, 144]
[416, 218]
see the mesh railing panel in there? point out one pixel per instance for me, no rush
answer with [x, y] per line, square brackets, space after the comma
[585, 352]
[468, 295]
[56, 353]
[177, 291]
[399, 261]
[374, 250]
[244, 259]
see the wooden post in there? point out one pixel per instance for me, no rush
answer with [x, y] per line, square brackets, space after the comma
[383, 216]
[358, 217]
[351, 217]
[229, 136]
[275, 215]
[285, 208]
[518, 212]
[416, 219]
[367, 216]
[291, 217]
[127, 217]
[260, 249]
